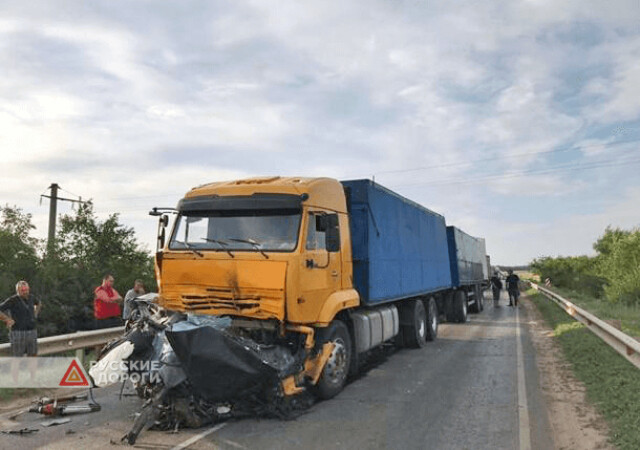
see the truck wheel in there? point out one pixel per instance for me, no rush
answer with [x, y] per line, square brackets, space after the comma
[480, 298]
[460, 306]
[334, 374]
[432, 319]
[449, 308]
[477, 305]
[413, 320]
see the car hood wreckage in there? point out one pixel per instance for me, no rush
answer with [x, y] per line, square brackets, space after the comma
[194, 370]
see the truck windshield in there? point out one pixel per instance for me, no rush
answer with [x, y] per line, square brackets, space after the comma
[248, 230]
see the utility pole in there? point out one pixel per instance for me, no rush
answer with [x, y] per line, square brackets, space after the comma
[53, 212]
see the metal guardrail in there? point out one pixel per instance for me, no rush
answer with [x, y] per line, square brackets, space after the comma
[619, 341]
[73, 341]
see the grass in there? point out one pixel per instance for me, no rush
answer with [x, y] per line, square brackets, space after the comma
[629, 316]
[612, 383]
[6, 394]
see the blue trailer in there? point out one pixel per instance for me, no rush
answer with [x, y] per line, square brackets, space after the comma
[399, 247]
[469, 267]
[404, 267]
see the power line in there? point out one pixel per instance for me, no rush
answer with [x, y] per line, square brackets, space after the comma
[501, 157]
[524, 173]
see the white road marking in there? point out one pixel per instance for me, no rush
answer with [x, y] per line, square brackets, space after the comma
[234, 444]
[523, 407]
[196, 438]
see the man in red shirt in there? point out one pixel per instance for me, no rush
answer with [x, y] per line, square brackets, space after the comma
[106, 304]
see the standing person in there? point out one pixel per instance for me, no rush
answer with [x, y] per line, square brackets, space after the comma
[137, 291]
[23, 309]
[496, 287]
[513, 288]
[106, 304]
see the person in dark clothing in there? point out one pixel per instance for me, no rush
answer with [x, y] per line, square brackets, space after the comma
[23, 310]
[496, 287]
[513, 288]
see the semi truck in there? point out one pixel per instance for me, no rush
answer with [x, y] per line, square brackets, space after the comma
[321, 270]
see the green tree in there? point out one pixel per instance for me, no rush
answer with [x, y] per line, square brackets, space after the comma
[18, 252]
[613, 274]
[86, 249]
[620, 265]
[605, 243]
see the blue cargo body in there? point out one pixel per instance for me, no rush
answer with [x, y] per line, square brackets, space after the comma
[399, 247]
[468, 258]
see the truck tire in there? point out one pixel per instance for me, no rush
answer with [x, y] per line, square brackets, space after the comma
[413, 324]
[432, 319]
[334, 374]
[480, 298]
[478, 304]
[449, 311]
[460, 306]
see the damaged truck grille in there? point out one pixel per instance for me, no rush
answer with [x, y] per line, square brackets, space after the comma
[221, 301]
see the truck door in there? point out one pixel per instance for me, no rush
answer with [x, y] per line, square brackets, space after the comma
[320, 273]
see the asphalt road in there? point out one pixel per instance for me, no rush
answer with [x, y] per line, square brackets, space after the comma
[462, 391]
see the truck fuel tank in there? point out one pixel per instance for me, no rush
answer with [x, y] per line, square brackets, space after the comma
[372, 327]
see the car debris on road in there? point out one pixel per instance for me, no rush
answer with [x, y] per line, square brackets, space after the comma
[43, 401]
[21, 432]
[196, 370]
[52, 422]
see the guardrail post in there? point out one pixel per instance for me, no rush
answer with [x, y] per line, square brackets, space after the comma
[80, 355]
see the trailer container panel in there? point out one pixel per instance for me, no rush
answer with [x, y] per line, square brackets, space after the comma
[468, 258]
[399, 247]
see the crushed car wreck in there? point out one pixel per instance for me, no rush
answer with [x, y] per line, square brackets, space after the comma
[193, 370]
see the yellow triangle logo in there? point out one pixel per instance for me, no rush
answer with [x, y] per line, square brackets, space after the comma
[74, 376]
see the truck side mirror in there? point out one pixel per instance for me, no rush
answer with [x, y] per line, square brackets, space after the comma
[162, 225]
[161, 238]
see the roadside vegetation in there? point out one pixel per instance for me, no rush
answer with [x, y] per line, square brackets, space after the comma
[608, 284]
[612, 383]
[64, 278]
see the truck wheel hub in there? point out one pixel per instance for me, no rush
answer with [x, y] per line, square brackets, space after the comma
[337, 363]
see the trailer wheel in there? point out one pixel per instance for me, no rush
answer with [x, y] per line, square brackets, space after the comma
[480, 298]
[478, 304]
[460, 306]
[432, 319]
[413, 320]
[334, 374]
[449, 308]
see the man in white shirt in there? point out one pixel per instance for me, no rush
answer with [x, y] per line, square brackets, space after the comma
[137, 291]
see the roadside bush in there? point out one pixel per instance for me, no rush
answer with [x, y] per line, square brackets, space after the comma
[578, 273]
[613, 274]
[621, 267]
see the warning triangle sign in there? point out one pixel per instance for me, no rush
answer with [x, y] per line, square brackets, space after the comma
[74, 376]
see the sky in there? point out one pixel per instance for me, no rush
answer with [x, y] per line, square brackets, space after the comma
[517, 121]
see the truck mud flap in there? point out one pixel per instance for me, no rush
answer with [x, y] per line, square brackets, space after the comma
[218, 366]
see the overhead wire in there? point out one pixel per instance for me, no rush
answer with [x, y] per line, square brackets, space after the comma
[571, 167]
[507, 156]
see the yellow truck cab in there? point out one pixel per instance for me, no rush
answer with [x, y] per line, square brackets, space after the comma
[275, 251]
[263, 248]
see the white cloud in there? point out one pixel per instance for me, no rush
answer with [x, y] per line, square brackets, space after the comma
[143, 102]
